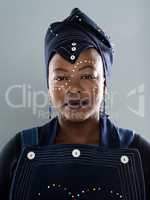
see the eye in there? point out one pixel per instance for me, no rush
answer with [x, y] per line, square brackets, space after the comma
[61, 78]
[89, 76]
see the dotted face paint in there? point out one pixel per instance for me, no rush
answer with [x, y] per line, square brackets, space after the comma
[66, 79]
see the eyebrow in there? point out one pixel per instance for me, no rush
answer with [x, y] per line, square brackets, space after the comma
[65, 70]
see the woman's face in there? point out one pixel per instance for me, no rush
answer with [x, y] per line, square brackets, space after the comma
[76, 90]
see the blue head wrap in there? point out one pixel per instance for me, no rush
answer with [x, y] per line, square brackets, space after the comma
[74, 34]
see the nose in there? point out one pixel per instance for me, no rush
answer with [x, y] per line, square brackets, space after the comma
[75, 86]
[74, 93]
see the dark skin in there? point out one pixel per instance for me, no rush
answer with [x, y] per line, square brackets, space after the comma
[77, 125]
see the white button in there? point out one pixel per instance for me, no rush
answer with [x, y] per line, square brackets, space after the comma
[31, 155]
[124, 159]
[76, 153]
[74, 44]
[72, 57]
[73, 48]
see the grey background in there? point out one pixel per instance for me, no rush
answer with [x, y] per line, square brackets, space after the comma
[22, 28]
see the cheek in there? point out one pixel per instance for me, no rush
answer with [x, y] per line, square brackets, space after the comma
[98, 92]
[57, 95]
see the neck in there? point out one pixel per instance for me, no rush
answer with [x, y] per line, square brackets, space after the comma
[86, 131]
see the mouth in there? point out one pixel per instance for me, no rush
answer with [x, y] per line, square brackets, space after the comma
[72, 103]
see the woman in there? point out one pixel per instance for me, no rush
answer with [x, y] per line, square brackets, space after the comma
[80, 153]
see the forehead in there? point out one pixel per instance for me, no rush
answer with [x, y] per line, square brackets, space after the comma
[89, 54]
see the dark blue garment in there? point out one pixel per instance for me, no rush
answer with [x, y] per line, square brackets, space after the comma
[79, 171]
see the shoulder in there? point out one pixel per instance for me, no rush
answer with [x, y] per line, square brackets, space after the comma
[143, 145]
[10, 152]
[12, 146]
[8, 159]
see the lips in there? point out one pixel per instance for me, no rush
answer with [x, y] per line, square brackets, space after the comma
[77, 103]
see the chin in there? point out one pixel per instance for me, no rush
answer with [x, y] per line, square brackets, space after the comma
[76, 116]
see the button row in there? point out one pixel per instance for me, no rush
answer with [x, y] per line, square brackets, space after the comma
[76, 153]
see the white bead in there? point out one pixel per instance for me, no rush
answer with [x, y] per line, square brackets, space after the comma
[30, 155]
[124, 159]
[73, 48]
[72, 57]
[74, 44]
[76, 153]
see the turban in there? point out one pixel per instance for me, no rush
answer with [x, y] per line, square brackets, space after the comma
[74, 34]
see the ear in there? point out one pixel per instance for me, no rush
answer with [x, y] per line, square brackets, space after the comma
[106, 88]
[49, 93]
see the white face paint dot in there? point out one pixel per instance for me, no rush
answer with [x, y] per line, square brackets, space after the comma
[124, 159]
[73, 70]
[72, 57]
[66, 83]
